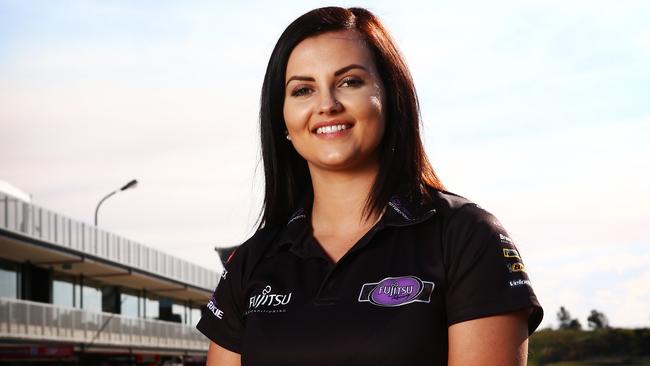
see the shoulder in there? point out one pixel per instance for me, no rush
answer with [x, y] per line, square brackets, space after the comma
[252, 249]
[460, 215]
[453, 206]
[448, 202]
[446, 207]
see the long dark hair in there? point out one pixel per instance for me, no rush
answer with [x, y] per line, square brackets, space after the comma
[403, 164]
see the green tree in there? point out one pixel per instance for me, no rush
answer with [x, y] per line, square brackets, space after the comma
[566, 322]
[564, 317]
[597, 320]
[575, 324]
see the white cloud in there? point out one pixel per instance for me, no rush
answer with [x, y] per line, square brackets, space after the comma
[611, 279]
[586, 187]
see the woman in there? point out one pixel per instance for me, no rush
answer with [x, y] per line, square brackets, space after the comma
[361, 257]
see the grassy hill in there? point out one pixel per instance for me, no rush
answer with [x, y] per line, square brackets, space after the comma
[614, 361]
[602, 347]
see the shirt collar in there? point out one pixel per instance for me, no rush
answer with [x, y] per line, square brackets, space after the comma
[404, 210]
[401, 210]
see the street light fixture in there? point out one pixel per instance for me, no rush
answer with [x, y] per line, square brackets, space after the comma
[131, 184]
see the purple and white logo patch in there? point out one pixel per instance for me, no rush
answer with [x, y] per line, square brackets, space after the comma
[396, 291]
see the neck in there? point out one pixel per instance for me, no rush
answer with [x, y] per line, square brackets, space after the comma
[339, 197]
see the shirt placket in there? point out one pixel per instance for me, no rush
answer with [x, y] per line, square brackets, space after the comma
[328, 293]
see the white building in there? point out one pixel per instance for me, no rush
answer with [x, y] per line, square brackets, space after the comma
[71, 293]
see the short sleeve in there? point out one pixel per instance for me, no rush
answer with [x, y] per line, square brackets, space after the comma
[222, 317]
[486, 275]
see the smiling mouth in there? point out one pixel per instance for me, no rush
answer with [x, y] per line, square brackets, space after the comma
[332, 129]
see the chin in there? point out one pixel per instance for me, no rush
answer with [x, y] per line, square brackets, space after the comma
[339, 163]
[334, 164]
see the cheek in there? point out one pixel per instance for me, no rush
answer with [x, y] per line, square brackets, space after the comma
[295, 115]
[376, 113]
[374, 110]
[376, 104]
[377, 100]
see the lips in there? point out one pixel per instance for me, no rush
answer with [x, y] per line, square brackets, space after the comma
[331, 127]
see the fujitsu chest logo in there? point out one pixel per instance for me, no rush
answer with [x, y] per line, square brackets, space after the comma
[396, 291]
[268, 302]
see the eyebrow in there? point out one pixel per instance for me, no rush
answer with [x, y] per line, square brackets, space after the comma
[336, 73]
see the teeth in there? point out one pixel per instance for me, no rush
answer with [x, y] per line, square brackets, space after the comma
[330, 129]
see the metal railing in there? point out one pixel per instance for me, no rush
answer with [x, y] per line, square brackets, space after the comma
[27, 219]
[27, 320]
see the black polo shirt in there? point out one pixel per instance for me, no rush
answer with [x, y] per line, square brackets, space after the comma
[388, 301]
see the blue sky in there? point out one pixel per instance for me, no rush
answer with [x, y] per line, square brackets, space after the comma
[536, 110]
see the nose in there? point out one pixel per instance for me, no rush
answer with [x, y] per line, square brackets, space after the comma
[329, 103]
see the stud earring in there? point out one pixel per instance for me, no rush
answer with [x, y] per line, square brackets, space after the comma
[286, 135]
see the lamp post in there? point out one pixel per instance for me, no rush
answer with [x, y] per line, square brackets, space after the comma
[131, 184]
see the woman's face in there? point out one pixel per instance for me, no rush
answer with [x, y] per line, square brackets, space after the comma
[334, 102]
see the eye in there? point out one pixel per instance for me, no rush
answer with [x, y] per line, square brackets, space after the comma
[300, 91]
[352, 82]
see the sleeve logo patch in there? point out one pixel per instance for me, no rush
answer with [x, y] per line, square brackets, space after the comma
[519, 282]
[505, 240]
[511, 253]
[396, 291]
[214, 309]
[516, 267]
